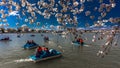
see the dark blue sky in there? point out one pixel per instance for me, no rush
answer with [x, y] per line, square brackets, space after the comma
[82, 19]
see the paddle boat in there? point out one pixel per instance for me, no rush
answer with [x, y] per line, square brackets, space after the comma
[32, 35]
[30, 45]
[46, 39]
[75, 43]
[5, 39]
[44, 56]
[18, 36]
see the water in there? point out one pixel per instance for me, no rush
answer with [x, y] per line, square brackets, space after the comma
[13, 56]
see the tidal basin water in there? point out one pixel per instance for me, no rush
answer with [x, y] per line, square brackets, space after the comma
[12, 55]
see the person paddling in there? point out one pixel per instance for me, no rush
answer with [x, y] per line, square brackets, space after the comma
[39, 51]
[81, 41]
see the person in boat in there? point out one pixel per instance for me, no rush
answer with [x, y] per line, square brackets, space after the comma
[7, 38]
[18, 36]
[78, 40]
[39, 51]
[81, 41]
[33, 42]
[28, 42]
[44, 48]
[46, 51]
[42, 52]
[53, 52]
[46, 38]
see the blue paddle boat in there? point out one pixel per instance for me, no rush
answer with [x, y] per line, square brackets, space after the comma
[76, 43]
[45, 56]
[5, 39]
[30, 45]
[32, 35]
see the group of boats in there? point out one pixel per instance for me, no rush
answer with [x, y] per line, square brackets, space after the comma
[31, 44]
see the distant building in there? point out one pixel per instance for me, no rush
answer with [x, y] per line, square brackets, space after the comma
[11, 30]
[2, 30]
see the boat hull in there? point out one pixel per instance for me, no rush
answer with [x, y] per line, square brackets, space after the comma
[35, 59]
[76, 43]
[47, 58]
[30, 47]
[5, 40]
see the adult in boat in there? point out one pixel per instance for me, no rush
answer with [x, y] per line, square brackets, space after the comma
[46, 38]
[6, 38]
[39, 51]
[81, 41]
[28, 42]
[42, 51]
[46, 51]
[31, 42]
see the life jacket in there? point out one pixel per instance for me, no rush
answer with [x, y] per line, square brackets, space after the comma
[81, 40]
[39, 49]
[43, 48]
